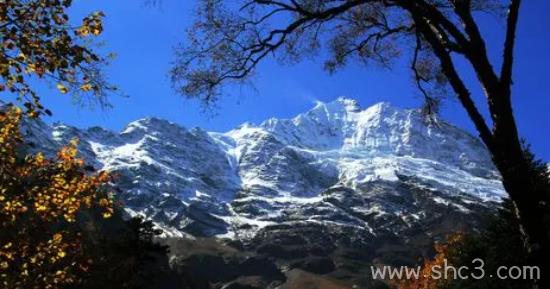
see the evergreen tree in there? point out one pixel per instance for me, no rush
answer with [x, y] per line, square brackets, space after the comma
[500, 244]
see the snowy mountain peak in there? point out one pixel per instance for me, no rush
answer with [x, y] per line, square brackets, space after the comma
[150, 124]
[336, 183]
[381, 128]
[336, 163]
[382, 108]
[341, 104]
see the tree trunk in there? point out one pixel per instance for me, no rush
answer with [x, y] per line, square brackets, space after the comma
[503, 140]
[530, 203]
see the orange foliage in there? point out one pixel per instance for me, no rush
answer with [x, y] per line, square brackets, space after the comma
[426, 278]
[40, 201]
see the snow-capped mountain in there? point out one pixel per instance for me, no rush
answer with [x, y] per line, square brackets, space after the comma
[356, 175]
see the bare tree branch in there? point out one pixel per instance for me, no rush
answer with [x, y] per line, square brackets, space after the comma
[508, 59]
[456, 82]
[477, 51]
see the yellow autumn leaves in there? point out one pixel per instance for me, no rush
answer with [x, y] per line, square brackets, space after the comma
[26, 258]
[91, 25]
[62, 88]
[84, 87]
[62, 191]
[40, 198]
[37, 41]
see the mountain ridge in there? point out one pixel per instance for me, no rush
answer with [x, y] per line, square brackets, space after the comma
[329, 192]
[238, 183]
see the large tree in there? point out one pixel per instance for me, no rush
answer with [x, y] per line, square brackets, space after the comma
[40, 202]
[229, 40]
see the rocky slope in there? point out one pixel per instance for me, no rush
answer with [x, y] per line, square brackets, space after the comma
[335, 183]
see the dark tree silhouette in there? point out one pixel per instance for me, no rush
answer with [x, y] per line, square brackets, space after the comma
[227, 42]
[499, 237]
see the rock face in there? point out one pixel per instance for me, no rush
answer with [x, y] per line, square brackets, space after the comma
[336, 179]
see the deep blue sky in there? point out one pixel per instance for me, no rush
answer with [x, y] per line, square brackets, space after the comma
[143, 38]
